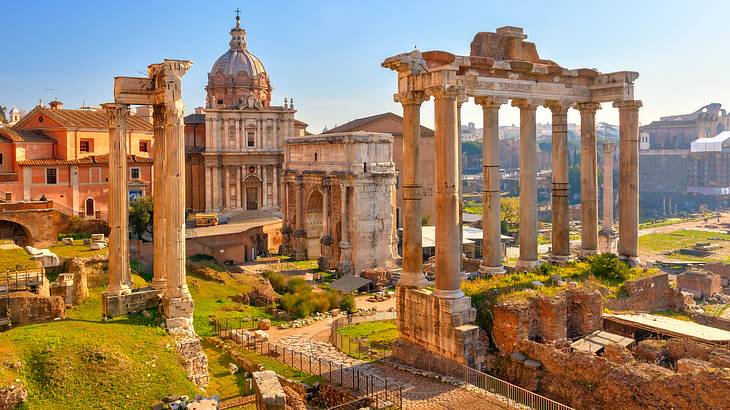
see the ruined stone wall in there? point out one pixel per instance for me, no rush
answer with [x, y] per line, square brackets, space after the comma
[86, 273]
[587, 381]
[585, 311]
[194, 360]
[648, 294]
[26, 307]
[722, 269]
[710, 320]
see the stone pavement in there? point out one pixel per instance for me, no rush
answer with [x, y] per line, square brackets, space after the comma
[419, 390]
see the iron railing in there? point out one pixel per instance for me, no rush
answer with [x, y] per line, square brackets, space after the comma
[379, 391]
[358, 347]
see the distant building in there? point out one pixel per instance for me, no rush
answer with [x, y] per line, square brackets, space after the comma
[62, 155]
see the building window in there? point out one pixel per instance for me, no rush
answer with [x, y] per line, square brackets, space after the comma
[1, 158]
[134, 173]
[51, 176]
[251, 138]
[315, 156]
[86, 146]
[143, 146]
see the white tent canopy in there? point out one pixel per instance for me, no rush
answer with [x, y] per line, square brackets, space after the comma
[714, 144]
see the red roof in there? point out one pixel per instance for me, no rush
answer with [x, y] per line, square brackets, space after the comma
[362, 124]
[87, 119]
[90, 160]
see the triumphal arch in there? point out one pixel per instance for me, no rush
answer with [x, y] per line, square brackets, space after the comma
[502, 66]
[162, 90]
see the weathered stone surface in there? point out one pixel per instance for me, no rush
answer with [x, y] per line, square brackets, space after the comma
[650, 351]
[13, 396]
[689, 365]
[264, 324]
[585, 311]
[648, 294]
[551, 318]
[700, 283]
[26, 307]
[270, 394]
[512, 322]
[195, 361]
[617, 354]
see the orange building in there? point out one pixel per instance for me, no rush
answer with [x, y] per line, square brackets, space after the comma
[62, 155]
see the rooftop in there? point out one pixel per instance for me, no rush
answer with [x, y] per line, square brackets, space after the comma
[365, 124]
[673, 327]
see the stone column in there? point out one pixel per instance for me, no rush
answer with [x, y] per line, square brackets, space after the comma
[325, 239]
[411, 182]
[448, 237]
[237, 176]
[300, 233]
[226, 186]
[628, 198]
[177, 302]
[265, 186]
[588, 179]
[608, 149]
[275, 189]
[528, 184]
[345, 267]
[491, 217]
[560, 209]
[159, 201]
[208, 187]
[285, 223]
[120, 281]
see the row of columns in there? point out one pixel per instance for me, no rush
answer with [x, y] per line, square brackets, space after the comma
[344, 265]
[219, 177]
[448, 179]
[218, 136]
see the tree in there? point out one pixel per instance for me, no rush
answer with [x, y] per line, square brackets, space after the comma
[509, 209]
[140, 216]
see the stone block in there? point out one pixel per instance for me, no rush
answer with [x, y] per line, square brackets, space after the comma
[270, 394]
[139, 300]
[551, 316]
[689, 365]
[701, 283]
[532, 364]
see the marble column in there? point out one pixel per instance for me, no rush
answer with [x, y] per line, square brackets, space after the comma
[226, 186]
[607, 222]
[491, 217]
[560, 209]
[628, 197]
[345, 267]
[325, 238]
[159, 201]
[411, 182]
[120, 281]
[177, 302]
[300, 233]
[528, 184]
[588, 179]
[448, 237]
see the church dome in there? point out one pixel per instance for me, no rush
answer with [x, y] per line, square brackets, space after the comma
[238, 78]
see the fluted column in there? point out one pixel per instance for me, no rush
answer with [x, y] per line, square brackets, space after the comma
[560, 208]
[177, 302]
[628, 199]
[448, 178]
[528, 184]
[300, 233]
[491, 217]
[344, 267]
[159, 202]
[120, 281]
[411, 182]
[588, 179]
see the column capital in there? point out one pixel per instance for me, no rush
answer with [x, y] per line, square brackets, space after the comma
[527, 103]
[116, 113]
[628, 104]
[299, 181]
[444, 91]
[411, 98]
[490, 102]
[558, 107]
[588, 107]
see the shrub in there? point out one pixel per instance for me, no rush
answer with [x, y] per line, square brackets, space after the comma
[277, 280]
[319, 302]
[201, 257]
[608, 266]
[297, 285]
[347, 303]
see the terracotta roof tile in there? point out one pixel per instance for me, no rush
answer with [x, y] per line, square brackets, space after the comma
[361, 124]
[13, 135]
[90, 160]
[91, 119]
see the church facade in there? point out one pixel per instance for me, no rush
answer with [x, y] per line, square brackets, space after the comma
[234, 146]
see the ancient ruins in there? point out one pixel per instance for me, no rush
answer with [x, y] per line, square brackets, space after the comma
[502, 66]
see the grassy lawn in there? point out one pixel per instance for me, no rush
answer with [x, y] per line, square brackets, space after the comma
[213, 298]
[11, 258]
[662, 242]
[221, 381]
[77, 250]
[82, 362]
[661, 222]
[378, 336]
[272, 364]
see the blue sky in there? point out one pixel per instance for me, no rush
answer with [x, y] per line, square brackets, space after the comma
[327, 54]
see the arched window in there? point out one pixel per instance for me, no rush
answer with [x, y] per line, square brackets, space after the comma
[89, 206]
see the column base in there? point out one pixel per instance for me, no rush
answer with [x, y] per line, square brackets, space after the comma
[159, 284]
[413, 280]
[135, 301]
[121, 290]
[560, 259]
[608, 241]
[491, 270]
[527, 265]
[448, 294]
[631, 260]
[178, 312]
[584, 253]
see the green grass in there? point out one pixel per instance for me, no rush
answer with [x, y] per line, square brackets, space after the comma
[661, 222]
[77, 250]
[378, 336]
[213, 299]
[82, 362]
[673, 314]
[221, 381]
[662, 242]
[11, 258]
[272, 364]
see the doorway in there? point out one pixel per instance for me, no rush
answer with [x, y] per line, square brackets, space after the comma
[89, 207]
[252, 198]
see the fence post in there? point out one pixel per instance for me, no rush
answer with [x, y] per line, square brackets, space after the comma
[341, 374]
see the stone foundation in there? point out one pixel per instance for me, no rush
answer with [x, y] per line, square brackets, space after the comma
[195, 361]
[119, 305]
[701, 283]
[607, 242]
[269, 393]
[437, 325]
[178, 312]
[26, 307]
[648, 294]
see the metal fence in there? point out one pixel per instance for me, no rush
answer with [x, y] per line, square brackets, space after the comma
[231, 323]
[491, 384]
[382, 392]
[358, 347]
